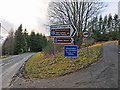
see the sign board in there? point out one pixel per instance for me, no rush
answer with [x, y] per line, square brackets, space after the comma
[85, 34]
[62, 31]
[63, 40]
[70, 51]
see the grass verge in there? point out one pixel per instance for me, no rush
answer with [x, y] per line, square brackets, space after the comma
[4, 57]
[41, 66]
[116, 43]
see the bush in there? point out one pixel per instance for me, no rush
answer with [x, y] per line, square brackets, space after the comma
[49, 49]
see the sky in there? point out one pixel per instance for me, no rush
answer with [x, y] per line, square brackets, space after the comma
[32, 14]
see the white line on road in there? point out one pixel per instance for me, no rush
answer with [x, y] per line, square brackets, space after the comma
[11, 71]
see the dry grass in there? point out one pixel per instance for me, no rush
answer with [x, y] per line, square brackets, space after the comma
[116, 43]
[41, 66]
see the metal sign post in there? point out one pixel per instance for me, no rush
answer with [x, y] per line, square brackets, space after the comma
[63, 34]
[86, 34]
[54, 53]
[87, 45]
[71, 57]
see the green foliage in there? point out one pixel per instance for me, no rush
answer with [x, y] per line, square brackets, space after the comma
[104, 29]
[49, 49]
[41, 66]
[23, 41]
[37, 42]
[19, 40]
[25, 34]
[119, 33]
[33, 41]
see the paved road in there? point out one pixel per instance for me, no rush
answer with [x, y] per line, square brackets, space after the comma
[10, 67]
[102, 75]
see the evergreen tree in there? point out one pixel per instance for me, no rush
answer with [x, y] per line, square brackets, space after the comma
[110, 26]
[18, 41]
[45, 41]
[25, 40]
[39, 42]
[119, 31]
[104, 30]
[32, 41]
[116, 27]
[95, 28]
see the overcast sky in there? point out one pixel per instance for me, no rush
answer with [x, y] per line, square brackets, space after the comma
[33, 13]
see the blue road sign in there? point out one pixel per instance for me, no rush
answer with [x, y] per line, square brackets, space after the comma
[53, 32]
[55, 40]
[70, 51]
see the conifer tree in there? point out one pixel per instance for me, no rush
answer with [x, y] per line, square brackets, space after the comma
[18, 40]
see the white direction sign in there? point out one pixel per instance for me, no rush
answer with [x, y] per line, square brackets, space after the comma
[62, 31]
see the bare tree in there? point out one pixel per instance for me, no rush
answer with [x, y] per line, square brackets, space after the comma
[74, 12]
[8, 44]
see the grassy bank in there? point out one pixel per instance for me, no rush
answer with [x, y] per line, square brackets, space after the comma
[41, 66]
[4, 56]
[116, 43]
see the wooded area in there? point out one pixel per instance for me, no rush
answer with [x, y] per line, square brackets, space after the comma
[105, 28]
[22, 42]
[85, 16]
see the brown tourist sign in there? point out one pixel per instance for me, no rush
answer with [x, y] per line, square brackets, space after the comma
[62, 31]
[63, 40]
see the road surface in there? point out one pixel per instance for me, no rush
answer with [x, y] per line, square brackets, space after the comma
[103, 74]
[10, 66]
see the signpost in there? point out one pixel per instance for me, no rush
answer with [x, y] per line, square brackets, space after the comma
[62, 31]
[63, 34]
[70, 51]
[63, 40]
[86, 34]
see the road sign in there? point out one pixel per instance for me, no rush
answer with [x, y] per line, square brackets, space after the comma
[70, 51]
[62, 30]
[85, 34]
[63, 40]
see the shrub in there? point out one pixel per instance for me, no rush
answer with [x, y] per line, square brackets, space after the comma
[49, 49]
